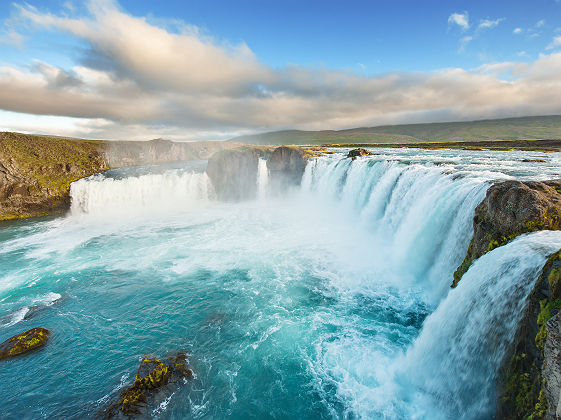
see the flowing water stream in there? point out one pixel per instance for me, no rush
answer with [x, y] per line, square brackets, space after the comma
[331, 301]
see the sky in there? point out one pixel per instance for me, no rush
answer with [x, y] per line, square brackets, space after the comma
[214, 69]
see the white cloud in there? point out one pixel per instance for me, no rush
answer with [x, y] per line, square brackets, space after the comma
[517, 31]
[489, 24]
[141, 80]
[555, 43]
[460, 19]
[463, 43]
[540, 23]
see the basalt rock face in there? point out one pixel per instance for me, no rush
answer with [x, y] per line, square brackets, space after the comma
[530, 379]
[509, 209]
[286, 167]
[552, 367]
[233, 172]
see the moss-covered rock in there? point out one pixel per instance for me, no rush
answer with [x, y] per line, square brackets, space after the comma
[152, 375]
[24, 342]
[509, 209]
[525, 389]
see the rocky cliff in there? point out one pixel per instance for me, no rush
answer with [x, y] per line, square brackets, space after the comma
[36, 171]
[530, 378]
[234, 172]
[509, 209]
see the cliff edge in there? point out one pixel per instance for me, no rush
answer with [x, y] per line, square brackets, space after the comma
[509, 209]
[36, 171]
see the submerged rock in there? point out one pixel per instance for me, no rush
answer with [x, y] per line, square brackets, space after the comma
[24, 342]
[152, 375]
[509, 209]
[358, 153]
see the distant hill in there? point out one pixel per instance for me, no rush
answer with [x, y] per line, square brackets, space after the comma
[524, 128]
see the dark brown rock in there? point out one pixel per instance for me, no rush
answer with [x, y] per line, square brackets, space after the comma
[358, 153]
[24, 342]
[509, 209]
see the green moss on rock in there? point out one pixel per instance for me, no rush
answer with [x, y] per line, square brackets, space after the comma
[24, 342]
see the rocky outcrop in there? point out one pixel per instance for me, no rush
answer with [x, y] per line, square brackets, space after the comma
[233, 172]
[509, 209]
[152, 375]
[353, 154]
[24, 342]
[530, 377]
[286, 167]
[36, 171]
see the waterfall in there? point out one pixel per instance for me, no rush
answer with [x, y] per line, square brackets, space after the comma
[262, 179]
[420, 217]
[451, 369]
[173, 189]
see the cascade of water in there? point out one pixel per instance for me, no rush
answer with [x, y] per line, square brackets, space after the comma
[173, 189]
[452, 366]
[262, 178]
[420, 217]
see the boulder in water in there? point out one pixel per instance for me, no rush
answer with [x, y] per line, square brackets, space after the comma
[358, 153]
[152, 375]
[286, 167]
[24, 342]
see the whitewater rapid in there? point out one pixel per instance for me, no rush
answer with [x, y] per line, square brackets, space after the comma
[332, 301]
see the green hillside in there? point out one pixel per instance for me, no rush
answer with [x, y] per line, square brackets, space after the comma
[524, 128]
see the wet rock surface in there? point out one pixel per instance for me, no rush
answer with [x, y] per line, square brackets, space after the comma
[531, 373]
[24, 342]
[509, 209]
[152, 376]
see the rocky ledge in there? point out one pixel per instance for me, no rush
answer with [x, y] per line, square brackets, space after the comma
[509, 209]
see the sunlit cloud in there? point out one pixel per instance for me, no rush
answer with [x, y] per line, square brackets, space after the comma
[140, 79]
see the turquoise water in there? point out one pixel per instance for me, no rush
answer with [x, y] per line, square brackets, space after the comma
[299, 306]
